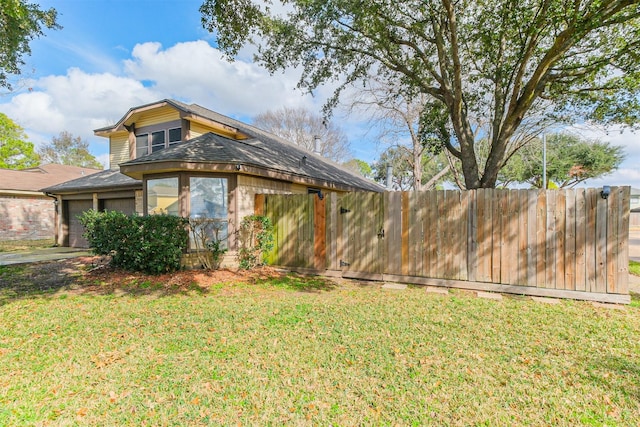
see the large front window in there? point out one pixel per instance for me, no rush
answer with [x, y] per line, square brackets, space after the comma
[162, 196]
[208, 206]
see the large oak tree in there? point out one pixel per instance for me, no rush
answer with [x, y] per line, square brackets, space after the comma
[494, 69]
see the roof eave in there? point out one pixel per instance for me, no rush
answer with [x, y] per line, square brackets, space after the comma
[139, 169]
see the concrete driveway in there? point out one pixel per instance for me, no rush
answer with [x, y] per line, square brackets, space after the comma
[46, 254]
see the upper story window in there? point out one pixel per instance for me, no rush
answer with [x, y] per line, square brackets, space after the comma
[175, 136]
[150, 142]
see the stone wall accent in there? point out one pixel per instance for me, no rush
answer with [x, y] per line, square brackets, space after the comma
[26, 218]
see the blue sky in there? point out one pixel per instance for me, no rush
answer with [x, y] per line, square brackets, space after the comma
[111, 55]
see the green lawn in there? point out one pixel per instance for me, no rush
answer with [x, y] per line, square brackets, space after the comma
[634, 268]
[297, 351]
[24, 245]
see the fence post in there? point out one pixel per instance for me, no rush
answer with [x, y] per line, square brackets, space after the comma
[259, 207]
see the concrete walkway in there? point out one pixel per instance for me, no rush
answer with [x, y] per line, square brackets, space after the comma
[47, 254]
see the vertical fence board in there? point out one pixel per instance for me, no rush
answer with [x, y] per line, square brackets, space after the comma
[520, 198]
[541, 238]
[472, 235]
[405, 234]
[601, 245]
[448, 234]
[560, 225]
[484, 200]
[510, 254]
[551, 266]
[581, 240]
[464, 248]
[613, 205]
[496, 235]
[431, 233]
[359, 249]
[413, 233]
[532, 252]
[331, 214]
[590, 241]
[419, 210]
[570, 241]
[394, 244]
[623, 242]
[319, 233]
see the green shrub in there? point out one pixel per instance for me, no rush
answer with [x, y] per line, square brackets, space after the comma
[256, 239]
[152, 244]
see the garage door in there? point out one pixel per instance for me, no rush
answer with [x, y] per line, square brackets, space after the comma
[75, 208]
[127, 206]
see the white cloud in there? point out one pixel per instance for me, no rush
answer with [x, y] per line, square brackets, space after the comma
[79, 102]
[76, 102]
[197, 72]
[629, 171]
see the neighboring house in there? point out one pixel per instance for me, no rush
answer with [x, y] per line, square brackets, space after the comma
[26, 213]
[180, 159]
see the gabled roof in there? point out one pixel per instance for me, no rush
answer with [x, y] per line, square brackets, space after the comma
[191, 112]
[252, 147]
[104, 180]
[33, 179]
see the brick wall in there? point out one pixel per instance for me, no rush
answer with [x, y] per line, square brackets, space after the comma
[26, 218]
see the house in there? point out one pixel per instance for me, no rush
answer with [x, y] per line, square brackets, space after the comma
[26, 213]
[183, 159]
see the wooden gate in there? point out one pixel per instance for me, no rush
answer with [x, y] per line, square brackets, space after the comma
[360, 233]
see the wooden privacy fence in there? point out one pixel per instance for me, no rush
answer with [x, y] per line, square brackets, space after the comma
[560, 243]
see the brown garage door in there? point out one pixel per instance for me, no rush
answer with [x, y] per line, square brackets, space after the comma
[75, 208]
[127, 206]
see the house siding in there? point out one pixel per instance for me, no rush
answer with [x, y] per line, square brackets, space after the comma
[249, 186]
[26, 218]
[197, 129]
[119, 152]
[161, 115]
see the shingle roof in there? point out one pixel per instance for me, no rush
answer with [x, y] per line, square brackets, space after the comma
[103, 180]
[262, 149]
[34, 179]
[261, 153]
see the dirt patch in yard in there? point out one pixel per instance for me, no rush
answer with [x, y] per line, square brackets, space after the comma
[93, 274]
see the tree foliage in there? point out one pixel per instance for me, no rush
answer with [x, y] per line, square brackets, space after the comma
[570, 161]
[15, 151]
[434, 169]
[398, 119]
[67, 150]
[497, 70]
[20, 23]
[301, 126]
[360, 167]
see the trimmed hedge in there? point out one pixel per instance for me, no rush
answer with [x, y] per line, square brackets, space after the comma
[152, 244]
